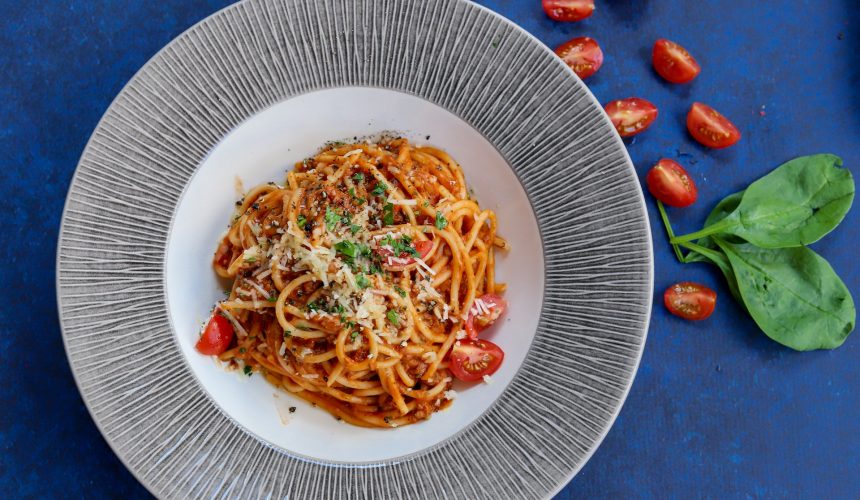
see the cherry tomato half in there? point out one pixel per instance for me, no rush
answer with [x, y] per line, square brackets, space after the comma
[670, 183]
[216, 337]
[472, 359]
[690, 300]
[423, 248]
[711, 128]
[582, 54]
[673, 62]
[631, 116]
[482, 316]
[568, 10]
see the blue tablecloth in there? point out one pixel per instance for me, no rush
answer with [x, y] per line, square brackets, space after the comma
[717, 409]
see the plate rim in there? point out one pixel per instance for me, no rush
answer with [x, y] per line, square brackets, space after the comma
[649, 278]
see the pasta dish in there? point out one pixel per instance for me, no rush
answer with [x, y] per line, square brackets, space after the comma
[361, 284]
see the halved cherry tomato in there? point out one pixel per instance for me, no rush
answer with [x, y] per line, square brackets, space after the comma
[670, 183]
[216, 337]
[568, 10]
[582, 54]
[423, 248]
[491, 307]
[673, 62]
[690, 300]
[711, 128]
[472, 359]
[632, 115]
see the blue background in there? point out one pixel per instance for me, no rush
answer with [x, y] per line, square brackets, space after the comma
[717, 409]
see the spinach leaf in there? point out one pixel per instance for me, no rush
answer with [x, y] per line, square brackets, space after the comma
[793, 295]
[796, 204]
[726, 206]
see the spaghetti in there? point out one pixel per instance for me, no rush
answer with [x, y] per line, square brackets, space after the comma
[355, 281]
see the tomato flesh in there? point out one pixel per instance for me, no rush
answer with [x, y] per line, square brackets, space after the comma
[690, 300]
[472, 359]
[568, 10]
[582, 54]
[710, 128]
[673, 62]
[216, 337]
[631, 116]
[480, 317]
[423, 248]
[670, 183]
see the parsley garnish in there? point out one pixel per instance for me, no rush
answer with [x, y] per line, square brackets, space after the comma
[272, 298]
[379, 189]
[388, 214]
[331, 219]
[362, 281]
[302, 221]
[358, 177]
[351, 250]
[393, 317]
[355, 197]
[441, 221]
[247, 370]
[353, 336]
[400, 291]
[354, 228]
[287, 334]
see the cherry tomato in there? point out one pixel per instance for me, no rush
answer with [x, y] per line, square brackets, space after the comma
[632, 115]
[673, 62]
[711, 128]
[568, 10]
[479, 318]
[423, 248]
[216, 337]
[690, 300]
[671, 184]
[582, 54]
[472, 359]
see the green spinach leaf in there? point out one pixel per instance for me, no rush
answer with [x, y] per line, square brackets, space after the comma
[796, 204]
[793, 295]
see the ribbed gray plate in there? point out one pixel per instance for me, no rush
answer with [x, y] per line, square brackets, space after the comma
[245, 58]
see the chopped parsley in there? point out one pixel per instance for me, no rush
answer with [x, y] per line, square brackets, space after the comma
[272, 298]
[353, 336]
[388, 214]
[400, 291]
[393, 317]
[331, 219]
[351, 250]
[400, 246]
[247, 370]
[354, 228]
[379, 189]
[441, 221]
[287, 334]
[302, 221]
[250, 259]
[362, 281]
[355, 198]
[358, 177]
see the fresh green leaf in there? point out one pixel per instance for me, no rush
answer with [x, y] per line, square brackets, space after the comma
[272, 298]
[358, 177]
[388, 214]
[362, 281]
[331, 219]
[400, 291]
[393, 317]
[441, 221]
[793, 295]
[351, 250]
[796, 204]
[354, 228]
[302, 221]
[379, 189]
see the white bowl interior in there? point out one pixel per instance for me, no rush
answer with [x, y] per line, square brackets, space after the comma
[262, 149]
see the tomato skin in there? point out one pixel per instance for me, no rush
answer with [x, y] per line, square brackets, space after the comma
[582, 54]
[689, 300]
[673, 62]
[423, 248]
[216, 337]
[710, 128]
[670, 183]
[631, 116]
[472, 359]
[568, 10]
[477, 322]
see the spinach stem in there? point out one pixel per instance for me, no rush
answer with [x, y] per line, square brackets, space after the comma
[668, 226]
[717, 227]
[707, 252]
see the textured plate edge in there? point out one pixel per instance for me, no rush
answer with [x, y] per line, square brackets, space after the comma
[650, 249]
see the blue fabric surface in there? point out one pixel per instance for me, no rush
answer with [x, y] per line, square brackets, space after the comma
[717, 409]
